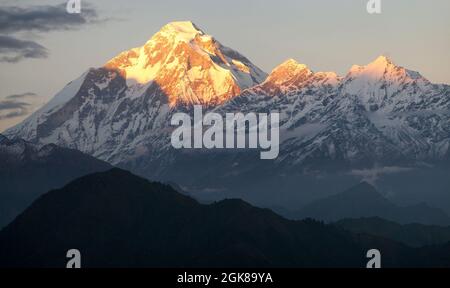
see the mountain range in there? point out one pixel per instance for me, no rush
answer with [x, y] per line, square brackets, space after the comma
[28, 170]
[364, 200]
[116, 219]
[380, 122]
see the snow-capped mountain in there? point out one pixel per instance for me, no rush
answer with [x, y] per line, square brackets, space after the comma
[378, 115]
[120, 111]
[189, 66]
[16, 151]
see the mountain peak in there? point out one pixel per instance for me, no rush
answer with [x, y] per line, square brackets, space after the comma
[382, 60]
[188, 66]
[182, 26]
[382, 63]
[381, 70]
[378, 67]
[288, 72]
[184, 30]
[292, 64]
[363, 188]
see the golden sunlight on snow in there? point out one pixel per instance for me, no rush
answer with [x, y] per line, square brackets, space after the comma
[189, 66]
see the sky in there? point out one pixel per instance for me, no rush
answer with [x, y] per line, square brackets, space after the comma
[43, 48]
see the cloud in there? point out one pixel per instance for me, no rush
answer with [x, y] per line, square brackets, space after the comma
[13, 109]
[13, 50]
[38, 18]
[8, 104]
[17, 105]
[44, 18]
[20, 96]
[371, 175]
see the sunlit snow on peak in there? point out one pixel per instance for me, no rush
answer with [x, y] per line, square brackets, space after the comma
[189, 66]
